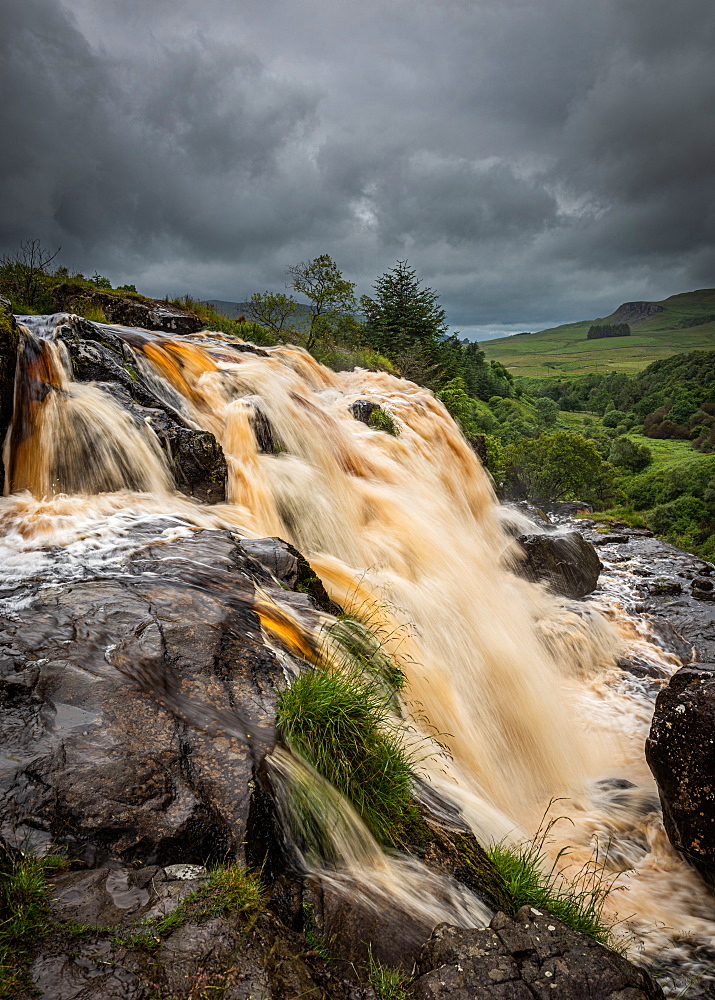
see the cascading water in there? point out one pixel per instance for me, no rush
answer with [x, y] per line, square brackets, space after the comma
[520, 689]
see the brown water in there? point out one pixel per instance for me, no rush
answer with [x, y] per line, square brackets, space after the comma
[521, 690]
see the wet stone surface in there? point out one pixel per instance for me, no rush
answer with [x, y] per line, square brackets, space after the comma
[125, 699]
[531, 957]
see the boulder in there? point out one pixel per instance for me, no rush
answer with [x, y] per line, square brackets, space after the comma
[680, 751]
[565, 561]
[137, 705]
[151, 314]
[8, 360]
[530, 957]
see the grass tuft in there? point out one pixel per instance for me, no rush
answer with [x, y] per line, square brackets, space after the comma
[233, 888]
[341, 724]
[380, 420]
[529, 882]
[388, 983]
[24, 914]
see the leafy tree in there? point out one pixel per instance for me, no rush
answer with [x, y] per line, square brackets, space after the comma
[403, 315]
[272, 310]
[613, 418]
[472, 416]
[22, 273]
[330, 295]
[629, 455]
[553, 467]
[547, 411]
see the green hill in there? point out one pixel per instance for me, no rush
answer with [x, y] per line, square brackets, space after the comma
[680, 323]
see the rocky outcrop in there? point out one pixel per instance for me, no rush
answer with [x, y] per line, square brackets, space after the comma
[126, 699]
[8, 361]
[194, 456]
[531, 957]
[681, 754]
[632, 312]
[564, 560]
[109, 939]
[151, 314]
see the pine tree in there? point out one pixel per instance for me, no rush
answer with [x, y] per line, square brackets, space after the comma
[403, 316]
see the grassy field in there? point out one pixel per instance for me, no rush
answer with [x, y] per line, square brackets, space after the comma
[564, 350]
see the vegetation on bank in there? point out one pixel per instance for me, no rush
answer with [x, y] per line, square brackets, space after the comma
[531, 882]
[595, 437]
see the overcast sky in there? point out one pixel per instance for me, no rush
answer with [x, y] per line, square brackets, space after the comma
[536, 162]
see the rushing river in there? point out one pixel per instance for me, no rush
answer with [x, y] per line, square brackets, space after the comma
[515, 693]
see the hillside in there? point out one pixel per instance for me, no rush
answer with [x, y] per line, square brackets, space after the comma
[684, 322]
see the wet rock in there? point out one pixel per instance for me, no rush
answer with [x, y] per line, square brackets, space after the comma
[151, 314]
[568, 508]
[8, 360]
[362, 410]
[531, 956]
[357, 926]
[680, 751]
[194, 456]
[566, 561]
[703, 589]
[122, 952]
[599, 539]
[290, 568]
[664, 587]
[125, 701]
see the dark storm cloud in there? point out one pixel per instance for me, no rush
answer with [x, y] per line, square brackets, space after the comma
[535, 162]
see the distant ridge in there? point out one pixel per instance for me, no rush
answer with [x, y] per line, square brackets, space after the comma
[684, 322]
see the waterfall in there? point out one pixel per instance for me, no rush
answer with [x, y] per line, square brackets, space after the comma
[515, 691]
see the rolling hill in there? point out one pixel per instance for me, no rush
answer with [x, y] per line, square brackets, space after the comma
[684, 322]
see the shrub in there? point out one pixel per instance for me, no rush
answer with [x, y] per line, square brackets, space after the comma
[613, 418]
[629, 455]
[557, 467]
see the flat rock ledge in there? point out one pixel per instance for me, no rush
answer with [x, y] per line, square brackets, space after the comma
[531, 957]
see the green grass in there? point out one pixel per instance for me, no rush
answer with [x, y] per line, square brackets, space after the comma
[24, 916]
[564, 350]
[380, 420]
[388, 983]
[340, 723]
[530, 882]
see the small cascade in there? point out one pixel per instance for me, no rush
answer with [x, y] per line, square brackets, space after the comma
[518, 693]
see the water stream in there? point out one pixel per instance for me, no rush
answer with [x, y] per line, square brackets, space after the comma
[532, 715]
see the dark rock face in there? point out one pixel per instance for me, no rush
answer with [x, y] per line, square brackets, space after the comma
[532, 957]
[567, 562]
[362, 409]
[8, 361]
[681, 754]
[195, 458]
[631, 312]
[151, 314]
[123, 955]
[567, 508]
[125, 703]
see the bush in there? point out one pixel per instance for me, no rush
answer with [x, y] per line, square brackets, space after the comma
[613, 418]
[628, 455]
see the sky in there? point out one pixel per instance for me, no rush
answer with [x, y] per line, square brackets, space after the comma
[536, 162]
